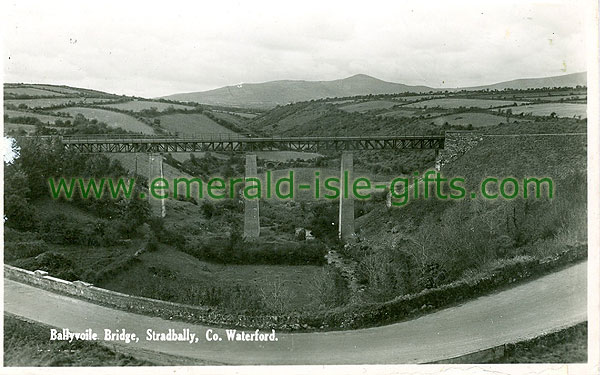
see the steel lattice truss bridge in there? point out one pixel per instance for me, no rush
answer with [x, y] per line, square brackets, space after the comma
[127, 143]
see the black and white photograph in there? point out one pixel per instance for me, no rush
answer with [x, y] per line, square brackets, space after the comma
[230, 187]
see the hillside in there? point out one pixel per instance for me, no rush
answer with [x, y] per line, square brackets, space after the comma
[53, 109]
[566, 80]
[270, 94]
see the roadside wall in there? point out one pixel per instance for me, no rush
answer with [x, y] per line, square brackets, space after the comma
[400, 308]
[499, 353]
[141, 305]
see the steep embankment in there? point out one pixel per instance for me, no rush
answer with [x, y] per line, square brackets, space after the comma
[431, 242]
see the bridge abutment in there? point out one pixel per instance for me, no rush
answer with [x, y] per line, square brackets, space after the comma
[251, 206]
[346, 212]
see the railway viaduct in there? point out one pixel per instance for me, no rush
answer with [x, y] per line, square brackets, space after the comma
[155, 146]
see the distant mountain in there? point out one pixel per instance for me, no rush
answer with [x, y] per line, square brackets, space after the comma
[270, 94]
[566, 80]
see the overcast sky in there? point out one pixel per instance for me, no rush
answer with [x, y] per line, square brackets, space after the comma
[159, 48]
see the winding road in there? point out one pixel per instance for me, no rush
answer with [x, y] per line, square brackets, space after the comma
[545, 304]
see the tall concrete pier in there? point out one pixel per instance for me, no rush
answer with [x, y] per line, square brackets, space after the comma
[346, 217]
[251, 215]
[155, 162]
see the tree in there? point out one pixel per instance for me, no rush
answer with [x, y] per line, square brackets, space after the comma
[508, 114]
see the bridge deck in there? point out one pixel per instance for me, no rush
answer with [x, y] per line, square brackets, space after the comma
[235, 143]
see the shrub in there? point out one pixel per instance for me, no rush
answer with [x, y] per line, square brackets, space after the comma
[17, 250]
[221, 250]
[54, 263]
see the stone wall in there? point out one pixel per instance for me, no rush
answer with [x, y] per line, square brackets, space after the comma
[456, 144]
[147, 306]
[352, 317]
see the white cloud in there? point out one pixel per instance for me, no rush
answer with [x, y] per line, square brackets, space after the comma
[151, 49]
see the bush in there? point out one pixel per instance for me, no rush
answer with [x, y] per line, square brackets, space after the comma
[208, 209]
[54, 263]
[222, 250]
[112, 270]
[152, 244]
[17, 250]
[329, 289]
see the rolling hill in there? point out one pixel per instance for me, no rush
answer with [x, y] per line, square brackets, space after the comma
[270, 94]
[566, 80]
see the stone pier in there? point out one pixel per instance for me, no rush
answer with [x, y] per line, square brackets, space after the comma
[346, 216]
[155, 162]
[251, 215]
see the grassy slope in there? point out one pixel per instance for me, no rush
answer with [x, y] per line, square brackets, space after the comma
[369, 105]
[474, 118]
[49, 102]
[138, 105]
[561, 158]
[31, 91]
[27, 344]
[236, 120]
[177, 268]
[459, 102]
[545, 109]
[112, 119]
[316, 119]
[192, 124]
[43, 118]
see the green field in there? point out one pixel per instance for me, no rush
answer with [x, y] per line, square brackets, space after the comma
[184, 269]
[237, 121]
[112, 119]
[460, 102]
[192, 124]
[51, 102]
[546, 109]
[557, 98]
[60, 89]
[233, 113]
[43, 118]
[246, 115]
[30, 91]
[140, 105]
[404, 112]
[369, 105]
[412, 98]
[473, 118]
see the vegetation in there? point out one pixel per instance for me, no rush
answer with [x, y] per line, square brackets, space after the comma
[28, 344]
[112, 119]
[566, 346]
[398, 252]
[26, 179]
[141, 105]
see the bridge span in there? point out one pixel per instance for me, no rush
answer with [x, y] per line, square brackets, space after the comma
[127, 143]
[160, 144]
